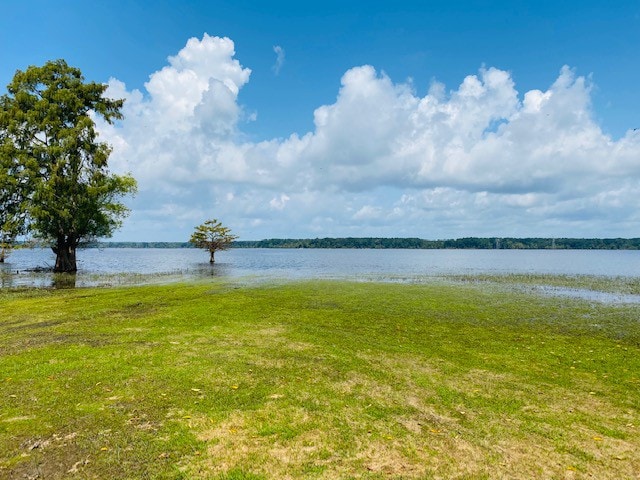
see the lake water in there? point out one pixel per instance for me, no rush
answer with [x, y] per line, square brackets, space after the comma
[128, 265]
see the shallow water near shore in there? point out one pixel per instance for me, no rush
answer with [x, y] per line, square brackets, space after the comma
[586, 294]
[132, 266]
[311, 263]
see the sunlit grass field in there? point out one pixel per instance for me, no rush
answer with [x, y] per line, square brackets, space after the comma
[317, 380]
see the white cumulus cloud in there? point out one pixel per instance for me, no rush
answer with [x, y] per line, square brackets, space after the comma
[480, 159]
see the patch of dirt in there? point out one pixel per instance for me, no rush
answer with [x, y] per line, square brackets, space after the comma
[53, 458]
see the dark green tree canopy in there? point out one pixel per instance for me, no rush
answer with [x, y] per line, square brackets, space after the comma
[52, 164]
[11, 216]
[212, 236]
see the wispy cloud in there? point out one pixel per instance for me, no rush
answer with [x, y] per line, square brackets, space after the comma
[279, 59]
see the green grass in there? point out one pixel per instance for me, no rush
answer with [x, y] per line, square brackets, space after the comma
[317, 380]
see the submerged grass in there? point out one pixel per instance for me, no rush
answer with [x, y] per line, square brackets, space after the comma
[316, 380]
[616, 285]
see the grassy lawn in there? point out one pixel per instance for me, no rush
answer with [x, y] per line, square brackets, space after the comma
[317, 380]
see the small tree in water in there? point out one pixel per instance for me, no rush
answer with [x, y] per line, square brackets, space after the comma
[212, 236]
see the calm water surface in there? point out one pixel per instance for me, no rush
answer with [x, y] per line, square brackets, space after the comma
[129, 265]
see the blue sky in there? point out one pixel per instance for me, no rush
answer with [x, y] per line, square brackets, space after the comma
[372, 123]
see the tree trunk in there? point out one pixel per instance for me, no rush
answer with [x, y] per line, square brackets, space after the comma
[211, 259]
[65, 251]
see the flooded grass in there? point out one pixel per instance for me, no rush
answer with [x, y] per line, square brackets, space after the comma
[321, 379]
[617, 285]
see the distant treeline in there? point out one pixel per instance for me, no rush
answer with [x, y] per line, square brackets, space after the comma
[459, 243]
[415, 243]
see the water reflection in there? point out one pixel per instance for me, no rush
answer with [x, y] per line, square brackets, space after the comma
[40, 277]
[203, 270]
[63, 280]
[6, 278]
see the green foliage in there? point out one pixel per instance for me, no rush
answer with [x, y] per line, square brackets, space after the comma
[8, 234]
[53, 168]
[11, 215]
[212, 236]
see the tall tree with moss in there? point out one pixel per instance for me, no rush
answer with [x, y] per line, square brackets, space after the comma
[50, 145]
[212, 236]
